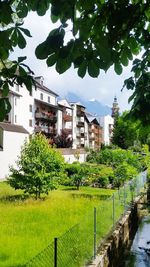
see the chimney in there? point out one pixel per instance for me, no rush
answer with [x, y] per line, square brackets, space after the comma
[39, 79]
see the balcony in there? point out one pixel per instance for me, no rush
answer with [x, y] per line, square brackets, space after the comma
[68, 131]
[67, 117]
[80, 124]
[80, 134]
[96, 131]
[92, 137]
[46, 116]
[45, 130]
[80, 113]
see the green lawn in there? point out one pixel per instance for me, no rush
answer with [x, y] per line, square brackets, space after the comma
[28, 226]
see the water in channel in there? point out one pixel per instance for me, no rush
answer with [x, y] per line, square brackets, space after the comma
[139, 255]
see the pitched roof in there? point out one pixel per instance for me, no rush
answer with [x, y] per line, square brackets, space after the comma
[44, 88]
[13, 128]
[64, 103]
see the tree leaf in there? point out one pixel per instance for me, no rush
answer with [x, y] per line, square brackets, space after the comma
[118, 68]
[124, 59]
[21, 40]
[51, 60]
[5, 89]
[26, 32]
[54, 18]
[21, 59]
[93, 70]
[42, 51]
[22, 10]
[5, 108]
[62, 65]
[82, 69]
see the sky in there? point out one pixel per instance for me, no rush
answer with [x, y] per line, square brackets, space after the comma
[103, 88]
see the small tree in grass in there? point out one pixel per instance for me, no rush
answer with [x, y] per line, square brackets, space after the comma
[38, 167]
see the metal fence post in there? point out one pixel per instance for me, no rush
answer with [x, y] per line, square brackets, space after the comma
[55, 252]
[94, 233]
[113, 202]
[124, 196]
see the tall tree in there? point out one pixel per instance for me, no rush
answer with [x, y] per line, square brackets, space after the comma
[125, 132]
[102, 33]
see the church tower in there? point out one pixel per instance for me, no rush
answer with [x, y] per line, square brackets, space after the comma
[115, 108]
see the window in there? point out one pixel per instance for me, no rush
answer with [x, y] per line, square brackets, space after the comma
[48, 99]
[1, 139]
[17, 87]
[41, 96]
[30, 123]
[15, 118]
[15, 101]
[30, 108]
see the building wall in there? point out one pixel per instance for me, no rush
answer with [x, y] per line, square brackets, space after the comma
[12, 143]
[106, 122]
[59, 122]
[74, 127]
[72, 155]
[21, 106]
[86, 134]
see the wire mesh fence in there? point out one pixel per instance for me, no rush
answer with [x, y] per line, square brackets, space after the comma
[76, 247]
[79, 245]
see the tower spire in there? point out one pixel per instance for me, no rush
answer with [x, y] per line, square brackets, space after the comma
[115, 108]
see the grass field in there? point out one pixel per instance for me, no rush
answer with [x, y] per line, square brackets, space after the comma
[28, 226]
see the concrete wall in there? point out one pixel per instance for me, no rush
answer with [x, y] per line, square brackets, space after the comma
[12, 143]
[115, 246]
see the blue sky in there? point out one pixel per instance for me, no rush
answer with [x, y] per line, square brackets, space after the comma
[103, 88]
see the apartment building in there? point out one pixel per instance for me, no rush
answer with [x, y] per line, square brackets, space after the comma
[65, 117]
[36, 111]
[94, 132]
[78, 125]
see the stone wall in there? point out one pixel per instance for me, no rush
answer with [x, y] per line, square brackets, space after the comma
[115, 246]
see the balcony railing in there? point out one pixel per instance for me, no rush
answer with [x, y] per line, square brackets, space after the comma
[46, 130]
[80, 124]
[67, 117]
[45, 116]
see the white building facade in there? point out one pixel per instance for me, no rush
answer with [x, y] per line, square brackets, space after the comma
[107, 123]
[12, 137]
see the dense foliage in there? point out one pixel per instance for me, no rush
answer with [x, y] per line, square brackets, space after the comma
[115, 157]
[38, 167]
[101, 34]
[125, 131]
[63, 140]
[107, 168]
[124, 164]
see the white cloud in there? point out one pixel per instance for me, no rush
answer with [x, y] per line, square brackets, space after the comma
[103, 88]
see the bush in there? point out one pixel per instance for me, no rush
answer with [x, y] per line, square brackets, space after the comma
[123, 173]
[103, 177]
